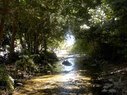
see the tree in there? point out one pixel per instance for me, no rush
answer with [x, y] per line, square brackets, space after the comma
[4, 10]
[107, 30]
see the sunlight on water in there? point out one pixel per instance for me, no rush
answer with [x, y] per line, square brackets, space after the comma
[69, 81]
[70, 68]
[68, 77]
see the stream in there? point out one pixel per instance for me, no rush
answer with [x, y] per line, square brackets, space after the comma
[69, 81]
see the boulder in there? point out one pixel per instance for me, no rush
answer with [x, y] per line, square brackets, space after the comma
[66, 63]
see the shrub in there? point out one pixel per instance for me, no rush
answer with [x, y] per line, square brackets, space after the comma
[6, 81]
[26, 64]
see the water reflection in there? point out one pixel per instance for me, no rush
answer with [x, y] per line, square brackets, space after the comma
[67, 77]
[69, 68]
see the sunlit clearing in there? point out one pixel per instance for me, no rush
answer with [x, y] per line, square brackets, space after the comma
[70, 40]
[61, 53]
[67, 45]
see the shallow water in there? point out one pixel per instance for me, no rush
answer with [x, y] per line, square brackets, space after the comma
[69, 81]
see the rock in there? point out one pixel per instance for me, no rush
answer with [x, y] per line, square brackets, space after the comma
[112, 90]
[19, 84]
[110, 80]
[66, 63]
[104, 90]
[49, 72]
[93, 65]
[107, 85]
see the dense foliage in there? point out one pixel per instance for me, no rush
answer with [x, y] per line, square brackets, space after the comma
[104, 35]
[36, 27]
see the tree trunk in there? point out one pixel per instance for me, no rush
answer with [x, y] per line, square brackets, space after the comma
[27, 40]
[14, 30]
[36, 42]
[45, 43]
[1, 29]
[3, 12]
[22, 42]
[12, 46]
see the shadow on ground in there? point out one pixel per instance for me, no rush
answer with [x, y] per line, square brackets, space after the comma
[72, 83]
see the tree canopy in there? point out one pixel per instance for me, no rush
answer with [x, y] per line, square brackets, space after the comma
[30, 31]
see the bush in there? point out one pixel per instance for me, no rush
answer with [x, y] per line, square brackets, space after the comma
[12, 57]
[26, 64]
[43, 59]
[6, 81]
[109, 53]
[2, 60]
[51, 55]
